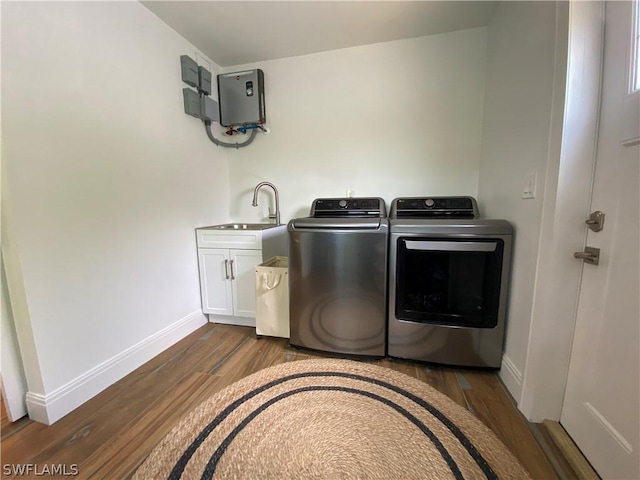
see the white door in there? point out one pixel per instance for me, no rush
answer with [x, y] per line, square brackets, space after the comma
[602, 399]
[243, 263]
[215, 281]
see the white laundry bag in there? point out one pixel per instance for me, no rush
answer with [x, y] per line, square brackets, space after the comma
[272, 297]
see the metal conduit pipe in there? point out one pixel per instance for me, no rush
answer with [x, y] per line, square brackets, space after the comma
[207, 126]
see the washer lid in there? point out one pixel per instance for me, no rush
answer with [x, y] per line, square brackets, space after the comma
[336, 224]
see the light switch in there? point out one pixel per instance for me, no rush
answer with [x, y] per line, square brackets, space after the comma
[529, 190]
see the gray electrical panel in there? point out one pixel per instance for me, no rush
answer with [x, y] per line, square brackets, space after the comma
[191, 102]
[204, 80]
[241, 98]
[209, 109]
[189, 69]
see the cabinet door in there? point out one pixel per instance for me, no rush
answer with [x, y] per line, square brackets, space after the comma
[244, 284]
[215, 281]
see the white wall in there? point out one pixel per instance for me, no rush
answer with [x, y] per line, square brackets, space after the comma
[393, 119]
[107, 179]
[518, 137]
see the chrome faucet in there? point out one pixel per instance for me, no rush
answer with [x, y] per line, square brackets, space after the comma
[254, 203]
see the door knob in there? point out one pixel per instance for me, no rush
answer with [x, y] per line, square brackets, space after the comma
[590, 255]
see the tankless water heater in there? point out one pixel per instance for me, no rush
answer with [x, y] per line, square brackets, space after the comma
[241, 98]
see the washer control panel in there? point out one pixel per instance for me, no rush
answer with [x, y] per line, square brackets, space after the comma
[351, 206]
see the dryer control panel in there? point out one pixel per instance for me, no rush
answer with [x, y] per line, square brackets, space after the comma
[434, 207]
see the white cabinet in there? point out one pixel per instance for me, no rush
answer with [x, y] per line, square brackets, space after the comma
[227, 281]
[227, 260]
[243, 281]
[215, 285]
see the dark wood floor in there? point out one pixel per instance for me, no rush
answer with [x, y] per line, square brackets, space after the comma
[109, 436]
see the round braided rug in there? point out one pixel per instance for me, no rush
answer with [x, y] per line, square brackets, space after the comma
[330, 419]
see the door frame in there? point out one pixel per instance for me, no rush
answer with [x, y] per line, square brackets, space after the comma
[567, 198]
[17, 310]
[13, 382]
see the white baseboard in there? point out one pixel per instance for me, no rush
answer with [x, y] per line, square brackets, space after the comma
[511, 377]
[51, 407]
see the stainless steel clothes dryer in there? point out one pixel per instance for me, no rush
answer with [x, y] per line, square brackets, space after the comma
[338, 276]
[448, 282]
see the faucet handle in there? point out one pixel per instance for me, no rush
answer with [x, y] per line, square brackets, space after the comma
[272, 215]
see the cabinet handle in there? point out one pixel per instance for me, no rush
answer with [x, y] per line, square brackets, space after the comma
[226, 268]
[232, 276]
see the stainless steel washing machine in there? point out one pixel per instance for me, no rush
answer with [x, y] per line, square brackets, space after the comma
[338, 276]
[448, 282]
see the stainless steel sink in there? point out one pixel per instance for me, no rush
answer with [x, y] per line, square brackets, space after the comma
[243, 226]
